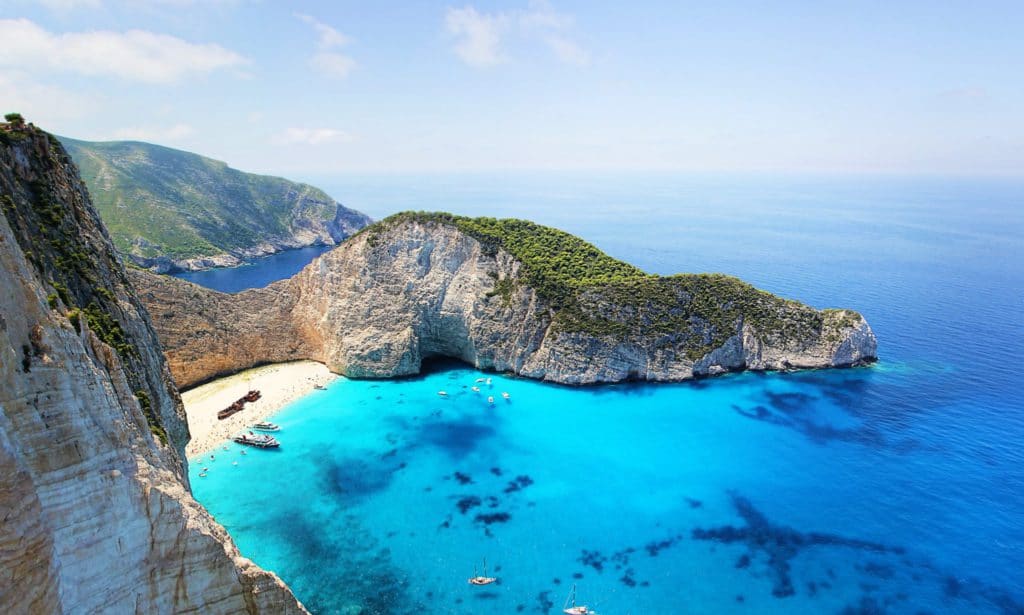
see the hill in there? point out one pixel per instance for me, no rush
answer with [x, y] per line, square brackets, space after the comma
[171, 210]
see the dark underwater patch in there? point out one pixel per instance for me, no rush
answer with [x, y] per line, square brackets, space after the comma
[468, 503]
[521, 482]
[361, 573]
[780, 544]
[355, 478]
[544, 603]
[457, 437]
[654, 547]
[594, 559]
[492, 518]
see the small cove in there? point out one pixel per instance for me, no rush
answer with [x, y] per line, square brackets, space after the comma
[894, 488]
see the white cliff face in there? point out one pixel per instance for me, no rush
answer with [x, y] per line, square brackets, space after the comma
[98, 517]
[381, 303]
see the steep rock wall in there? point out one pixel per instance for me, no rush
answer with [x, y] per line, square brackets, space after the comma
[384, 301]
[97, 514]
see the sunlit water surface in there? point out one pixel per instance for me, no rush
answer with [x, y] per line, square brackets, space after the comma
[895, 488]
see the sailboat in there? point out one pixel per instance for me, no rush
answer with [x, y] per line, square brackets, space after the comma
[481, 580]
[570, 608]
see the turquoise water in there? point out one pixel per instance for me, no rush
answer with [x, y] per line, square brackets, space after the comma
[896, 488]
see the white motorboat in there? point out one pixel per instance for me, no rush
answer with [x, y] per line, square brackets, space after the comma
[257, 440]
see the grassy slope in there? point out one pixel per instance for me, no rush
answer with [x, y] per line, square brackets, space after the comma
[186, 204]
[591, 292]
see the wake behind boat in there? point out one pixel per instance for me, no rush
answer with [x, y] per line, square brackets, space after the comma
[257, 440]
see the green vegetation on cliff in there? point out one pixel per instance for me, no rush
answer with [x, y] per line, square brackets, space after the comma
[593, 293]
[157, 201]
[62, 238]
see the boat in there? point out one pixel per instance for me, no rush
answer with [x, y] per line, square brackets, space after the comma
[505, 395]
[239, 404]
[266, 426]
[488, 382]
[570, 608]
[232, 409]
[490, 400]
[257, 440]
[480, 379]
[202, 475]
[475, 389]
[319, 387]
[483, 579]
[443, 393]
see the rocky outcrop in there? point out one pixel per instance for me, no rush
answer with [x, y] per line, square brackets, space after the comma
[417, 287]
[97, 513]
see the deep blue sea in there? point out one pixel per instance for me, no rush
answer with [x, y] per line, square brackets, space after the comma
[896, 488]
[257, 273]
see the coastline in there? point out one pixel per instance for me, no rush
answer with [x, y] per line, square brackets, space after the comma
[279, 384]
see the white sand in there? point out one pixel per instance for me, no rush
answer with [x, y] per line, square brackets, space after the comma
[280, 384]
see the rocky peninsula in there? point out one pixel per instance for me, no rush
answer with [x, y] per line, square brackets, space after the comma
[98, 514]
[503, 295]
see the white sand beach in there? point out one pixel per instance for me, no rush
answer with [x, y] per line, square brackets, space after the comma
[279, 384]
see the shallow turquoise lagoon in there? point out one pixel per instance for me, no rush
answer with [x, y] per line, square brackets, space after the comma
[731, 495]
[897, 488]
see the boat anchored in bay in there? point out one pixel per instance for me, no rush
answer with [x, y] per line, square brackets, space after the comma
[257, 440]
[477, 579]
[570, 607]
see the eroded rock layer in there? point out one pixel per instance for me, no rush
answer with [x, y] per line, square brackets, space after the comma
[417, 286]
[97, 513]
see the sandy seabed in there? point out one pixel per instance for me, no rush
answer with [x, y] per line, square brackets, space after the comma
[280, 384]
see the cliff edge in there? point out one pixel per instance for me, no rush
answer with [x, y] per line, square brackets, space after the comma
[507, 295]
[98, 516]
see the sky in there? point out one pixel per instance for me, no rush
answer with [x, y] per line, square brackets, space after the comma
[349, 86]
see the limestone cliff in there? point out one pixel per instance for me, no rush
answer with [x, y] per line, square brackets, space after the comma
[505, 295]
[97, 512]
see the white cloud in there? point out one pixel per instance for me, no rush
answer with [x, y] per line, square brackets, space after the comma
[136, 55]
[541, 15]
[333, 64]
[311, 136]
[46, 105]
[155, 134]
[568, 51]
[69, 5]
[326, 60]
[328, 37]
[64, 6]
[481, 37]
